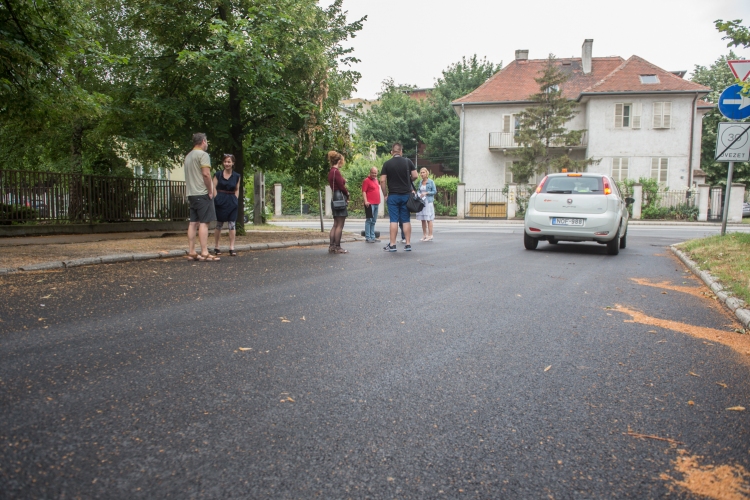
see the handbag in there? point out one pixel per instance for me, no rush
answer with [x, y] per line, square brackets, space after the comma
[415, 204]
[338, 204]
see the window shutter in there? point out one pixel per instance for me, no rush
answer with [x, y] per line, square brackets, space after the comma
[657, 115]
[618, 115]
[508, 173]
[663, 168]
[667, 115]
[655, 168]
[637, 108]
[506, 124]
[623, 169]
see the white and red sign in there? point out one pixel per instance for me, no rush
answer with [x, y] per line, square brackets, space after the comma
[741, 69]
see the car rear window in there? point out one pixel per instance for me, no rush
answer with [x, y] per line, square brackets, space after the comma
[573, 185]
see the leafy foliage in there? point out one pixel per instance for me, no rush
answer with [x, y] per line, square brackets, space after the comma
[441, 132]
[717, 77]
[542, 127]
[398, 118]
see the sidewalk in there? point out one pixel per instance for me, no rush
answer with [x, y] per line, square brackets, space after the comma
[56, 252]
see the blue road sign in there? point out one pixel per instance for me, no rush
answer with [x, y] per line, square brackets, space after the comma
[734, 105]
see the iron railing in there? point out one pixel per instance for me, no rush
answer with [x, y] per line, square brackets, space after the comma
[27, 196]
[507, 140]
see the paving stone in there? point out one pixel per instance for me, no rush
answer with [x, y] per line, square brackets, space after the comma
[42, 266]
[277, 245]
[122, 257]
[145, 256]
[87, 261]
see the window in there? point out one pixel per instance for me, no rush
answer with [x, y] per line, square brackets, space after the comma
[510, 124]
[620, 168]
[649, 79]
[662, 114]
[659, 169]
[627, 115]
[508, 172]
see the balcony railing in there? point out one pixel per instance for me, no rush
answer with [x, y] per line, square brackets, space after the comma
[507, 140]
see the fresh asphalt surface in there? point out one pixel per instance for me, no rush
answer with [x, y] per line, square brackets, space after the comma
[369, 375]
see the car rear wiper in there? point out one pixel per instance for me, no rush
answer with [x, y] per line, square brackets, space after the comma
[560, 192]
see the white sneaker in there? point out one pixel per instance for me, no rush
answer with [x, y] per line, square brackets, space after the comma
[403, 241]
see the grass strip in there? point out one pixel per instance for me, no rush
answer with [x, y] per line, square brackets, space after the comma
[727, 258]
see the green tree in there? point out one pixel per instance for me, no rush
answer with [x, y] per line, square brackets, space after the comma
[717, 77]
[542, 132]
[442, 126]
[398, 118]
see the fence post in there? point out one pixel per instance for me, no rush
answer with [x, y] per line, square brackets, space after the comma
[512, 194]
[638, 197]
[461, 200]
[277, 199]
[736, 198]
[329, 195]
[704, 195]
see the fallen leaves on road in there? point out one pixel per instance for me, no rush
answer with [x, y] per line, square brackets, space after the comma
[284, 320]
[736, 408]
[667, 285]
[722, 384]
[691, 403]
[245, 348]
[649, 436]
[693, 374]
[548, 368]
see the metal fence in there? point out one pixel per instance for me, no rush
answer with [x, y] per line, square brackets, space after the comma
[674, 199]
[57, 197]
[486, 203]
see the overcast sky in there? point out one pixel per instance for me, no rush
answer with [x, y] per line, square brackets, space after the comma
[414, 41]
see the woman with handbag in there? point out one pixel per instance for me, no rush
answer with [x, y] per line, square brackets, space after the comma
[339, 201]
[427, 191]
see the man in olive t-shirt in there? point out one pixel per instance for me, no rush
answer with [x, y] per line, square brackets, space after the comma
[200, 193]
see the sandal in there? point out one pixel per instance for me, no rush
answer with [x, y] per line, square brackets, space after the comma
[331, 249]
[217, 251]
[208, 258]
[232, 253]
[340, 250]
[192, 256]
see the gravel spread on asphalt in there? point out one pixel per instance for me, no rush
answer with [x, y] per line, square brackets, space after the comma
[725, 482]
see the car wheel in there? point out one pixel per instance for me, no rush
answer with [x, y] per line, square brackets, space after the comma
[530, 243]
[613, 246]
[624, 239]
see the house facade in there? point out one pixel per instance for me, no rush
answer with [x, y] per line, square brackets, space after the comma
[640, 120]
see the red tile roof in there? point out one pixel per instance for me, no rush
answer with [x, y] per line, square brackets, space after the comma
[515, 82]
[626, 78]
[705, 104]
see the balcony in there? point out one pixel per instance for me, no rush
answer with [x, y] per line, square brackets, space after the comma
[507, 140]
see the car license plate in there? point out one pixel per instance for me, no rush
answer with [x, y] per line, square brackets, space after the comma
[561, 221]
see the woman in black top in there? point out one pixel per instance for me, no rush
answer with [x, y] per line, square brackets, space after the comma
[338, 185]
[227, 188]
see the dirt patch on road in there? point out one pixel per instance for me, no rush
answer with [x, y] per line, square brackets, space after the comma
[667, 285]
[725, 482]
[13, 257]
[734, 340]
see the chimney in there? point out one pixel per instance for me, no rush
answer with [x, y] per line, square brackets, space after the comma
[522, 55]
[586, 55]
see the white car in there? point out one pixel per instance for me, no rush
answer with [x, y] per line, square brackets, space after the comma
[577, 207]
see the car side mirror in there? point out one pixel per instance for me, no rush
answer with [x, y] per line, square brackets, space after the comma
[629, 201]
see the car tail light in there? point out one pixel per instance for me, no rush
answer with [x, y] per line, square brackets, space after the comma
[535, 230]
[541, 185]
[607, 187]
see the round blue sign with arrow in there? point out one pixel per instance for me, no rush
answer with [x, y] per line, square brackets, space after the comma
[733, 104]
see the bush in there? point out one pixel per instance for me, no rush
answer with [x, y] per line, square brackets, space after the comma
[16, 213]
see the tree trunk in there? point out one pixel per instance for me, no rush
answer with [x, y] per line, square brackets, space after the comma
[75, 204]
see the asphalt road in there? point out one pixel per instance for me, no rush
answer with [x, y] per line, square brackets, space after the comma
[466, 368]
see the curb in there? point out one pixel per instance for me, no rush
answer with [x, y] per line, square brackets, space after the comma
[737, 306]
[112, 259]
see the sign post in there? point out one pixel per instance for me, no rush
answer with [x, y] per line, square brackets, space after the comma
[732, 144]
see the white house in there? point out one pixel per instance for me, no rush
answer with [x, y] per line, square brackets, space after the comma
[641, 120]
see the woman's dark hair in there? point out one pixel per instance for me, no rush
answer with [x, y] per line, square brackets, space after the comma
[227, 155]
[334, 157]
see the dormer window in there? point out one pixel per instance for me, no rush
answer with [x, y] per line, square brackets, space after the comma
[649, 79]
